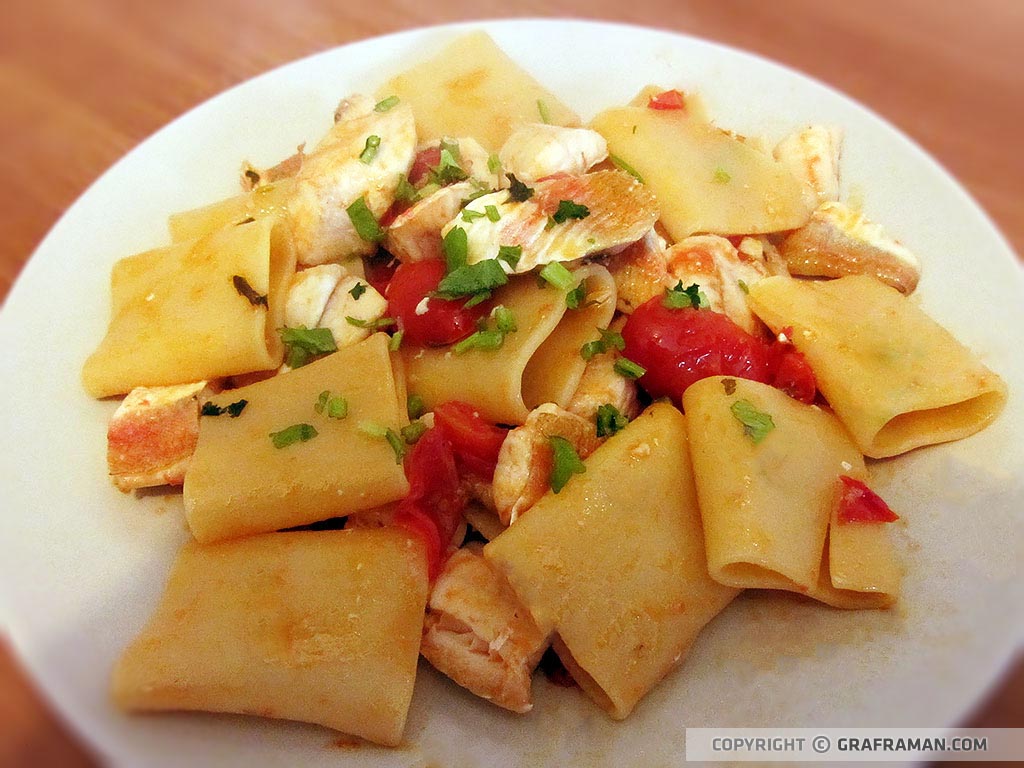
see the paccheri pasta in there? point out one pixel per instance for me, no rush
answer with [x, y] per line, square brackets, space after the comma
[469, 380]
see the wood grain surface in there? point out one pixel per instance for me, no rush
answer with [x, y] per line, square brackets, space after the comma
[81, 83]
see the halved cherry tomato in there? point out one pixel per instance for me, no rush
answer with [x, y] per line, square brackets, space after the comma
[790, 370]
[859, 504]
[422, 163]
[667, 100]
[435, 495]
[475, 440]
[430, 321]
[680, 346]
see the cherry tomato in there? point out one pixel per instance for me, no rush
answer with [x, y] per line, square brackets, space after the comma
[791, 372]
[437, 321]
[422, 163]
[435, 495]
[680, 346]
[859, 504]
[667, 100]
[476, 441]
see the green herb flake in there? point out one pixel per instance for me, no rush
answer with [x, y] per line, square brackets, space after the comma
[494, 164]
[321, 401]
[469, 216]
[303, 344]
[545, 113]
[681, 298]
[756, 424]
[412, 432]
[743, 286]
[234, 410]
[472, 279]
[415, 407]
[448, 170]
[558, 276]
[370, 149]
[504, 320]
[456, 248]
[565, 462]
[621, 164]
[373, 325]
[729, 385]
[510, 254]
[592, 349]
[357, 290]
[397, 444]
[385, 104]
[628, 369]
[567, 209]
[364, 221]
[517, 191]
[492, 212]
[372, 428]
[575, 298]
[296, 433]
[406, 192]
[337, 408]
[612, 339]
[722, 176]
[610, 420]
[477, 298]
[486, 339]
[396, 341]
[248, 292]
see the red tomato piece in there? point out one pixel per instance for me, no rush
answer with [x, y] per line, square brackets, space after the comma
[680, 346]
[859, 504]
[379, 271]
[438, 321]
[790, 370]
[475, 440]
[667, 100]
[422, 163]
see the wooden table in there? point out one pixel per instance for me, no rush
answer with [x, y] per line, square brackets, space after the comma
[82, 83]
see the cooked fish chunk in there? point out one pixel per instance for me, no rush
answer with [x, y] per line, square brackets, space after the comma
[523, 473]
[357, 299]
[812, 156]
[415, 234]
[839, 241]
[640, 271]
[618, 210]
[152, 435]
[478, 634]
[308, 294]
[333, 176]
[723, 273]
[536, 150]
[601, 385]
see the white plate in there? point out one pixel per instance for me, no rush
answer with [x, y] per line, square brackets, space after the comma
[81, 565]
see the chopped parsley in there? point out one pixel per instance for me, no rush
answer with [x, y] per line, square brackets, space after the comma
[756, 424]
[492, 212]
[557, 275]
[609, 340]
[336, 407]
[448, 170]
[234, 410]
[414, 407]
[680, 298]
[722, 176]
[357, 290]
[412, 432]
[504, 320]
[483, 339]
[510, 254]
[494, 164]
[545, 113]
[396, 341]
[296, 433]
[364, 221]
[385, 104]
[247, 291]
[743, 286]
[623, 165]
[406, 192]
[468, 215]
[610, 420]
[628, 369]
[373, 429]
[567, 209]
[373, 325]
[370, 150]
[472, 279]
[517, 191]
[303, 344]
[574, 299]
[565, 462]
[456, 248]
